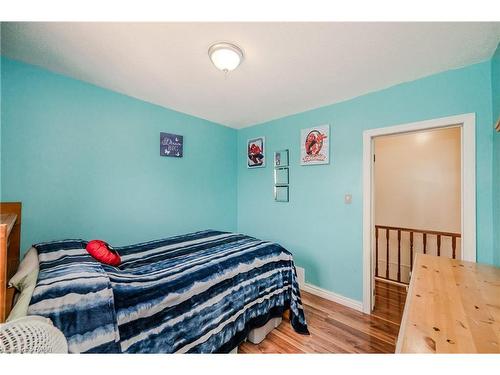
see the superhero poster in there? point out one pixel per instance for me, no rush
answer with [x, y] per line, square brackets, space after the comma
[256, 153]
[314, 145]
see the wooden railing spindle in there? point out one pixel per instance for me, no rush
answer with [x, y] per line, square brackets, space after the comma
[411, 251]
[454, 246]
[387, 254]
[425, 243]
[376, 251]
[399, 255]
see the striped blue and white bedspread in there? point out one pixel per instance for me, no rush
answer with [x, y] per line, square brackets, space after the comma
[196, 293]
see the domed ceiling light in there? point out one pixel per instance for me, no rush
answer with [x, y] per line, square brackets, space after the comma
[225, 56]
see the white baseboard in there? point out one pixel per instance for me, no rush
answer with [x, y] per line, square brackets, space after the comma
[301, 276]
[331, 296]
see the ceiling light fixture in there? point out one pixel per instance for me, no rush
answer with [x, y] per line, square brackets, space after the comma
[225, 56]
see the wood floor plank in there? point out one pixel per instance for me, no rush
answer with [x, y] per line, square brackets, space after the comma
[336, 328]
[368, 324]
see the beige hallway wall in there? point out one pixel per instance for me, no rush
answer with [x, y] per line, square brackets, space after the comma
[417, 185]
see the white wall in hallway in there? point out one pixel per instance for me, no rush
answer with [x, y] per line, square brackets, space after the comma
[417, 185]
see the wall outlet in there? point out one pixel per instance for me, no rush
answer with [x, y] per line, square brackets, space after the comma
[301, 276]
[348, 198]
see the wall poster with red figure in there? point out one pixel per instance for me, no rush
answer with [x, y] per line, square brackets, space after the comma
[256, 156]
[314, 145]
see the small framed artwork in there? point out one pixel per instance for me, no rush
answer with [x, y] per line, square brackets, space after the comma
[256, 152]
[314, 145]
[171, 145]
[281, 158]
[281, 193]
[281, 176]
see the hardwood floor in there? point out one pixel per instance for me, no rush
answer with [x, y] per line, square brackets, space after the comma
[389, 301]
[335, 328]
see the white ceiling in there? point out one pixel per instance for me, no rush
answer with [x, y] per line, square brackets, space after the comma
[288, 67]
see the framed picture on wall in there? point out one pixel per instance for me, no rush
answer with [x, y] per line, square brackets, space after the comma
[281, 158]
[256, 153]
[171, 145]
[314, 145]
[281, 193]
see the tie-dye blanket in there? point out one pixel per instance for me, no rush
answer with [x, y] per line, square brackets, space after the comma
[197, 293]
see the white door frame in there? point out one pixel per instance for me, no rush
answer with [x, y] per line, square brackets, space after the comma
[467, 123]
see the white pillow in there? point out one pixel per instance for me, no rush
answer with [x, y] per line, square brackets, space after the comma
[27, 265]
[26, 287]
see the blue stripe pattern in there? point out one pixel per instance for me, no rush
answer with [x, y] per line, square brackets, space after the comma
[196, 293]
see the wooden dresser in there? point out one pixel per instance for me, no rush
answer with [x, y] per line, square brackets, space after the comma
[10, 236]
[452, 307]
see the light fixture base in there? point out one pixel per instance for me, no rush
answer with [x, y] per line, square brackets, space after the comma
[225, 56]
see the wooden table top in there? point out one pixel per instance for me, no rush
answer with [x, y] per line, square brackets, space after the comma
[9, 220]
[452, 307]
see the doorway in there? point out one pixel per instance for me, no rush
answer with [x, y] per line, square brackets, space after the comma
[397, 226]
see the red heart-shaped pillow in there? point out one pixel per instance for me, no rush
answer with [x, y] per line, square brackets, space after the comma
[104, 253]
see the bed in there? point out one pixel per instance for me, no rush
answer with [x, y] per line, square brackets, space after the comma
[202, 292]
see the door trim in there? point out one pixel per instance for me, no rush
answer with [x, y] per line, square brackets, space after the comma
[467, 123]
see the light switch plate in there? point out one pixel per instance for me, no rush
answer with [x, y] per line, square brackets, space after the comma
[348, 199]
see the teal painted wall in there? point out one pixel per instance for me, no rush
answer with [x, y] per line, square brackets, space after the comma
[323, 233]
[1, 61]
[85, 163]
[495, 87]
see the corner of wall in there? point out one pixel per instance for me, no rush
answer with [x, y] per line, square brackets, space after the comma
[495, 111]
